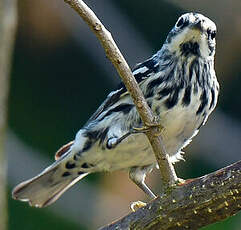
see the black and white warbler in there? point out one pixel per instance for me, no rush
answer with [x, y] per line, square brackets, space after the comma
[180, 86]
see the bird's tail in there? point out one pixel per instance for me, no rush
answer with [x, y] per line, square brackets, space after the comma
[48, 186]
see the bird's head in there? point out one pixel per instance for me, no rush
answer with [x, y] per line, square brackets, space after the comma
[192, 35]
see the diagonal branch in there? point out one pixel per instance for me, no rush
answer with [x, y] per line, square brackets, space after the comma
[167, 171]
[197, 203]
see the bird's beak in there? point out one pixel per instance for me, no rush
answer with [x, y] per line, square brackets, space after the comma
[198, 26]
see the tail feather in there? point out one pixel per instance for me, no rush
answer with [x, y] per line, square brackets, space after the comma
[65, 148]
[45, 188]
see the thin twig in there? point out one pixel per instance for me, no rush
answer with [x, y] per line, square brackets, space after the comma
[168, 175]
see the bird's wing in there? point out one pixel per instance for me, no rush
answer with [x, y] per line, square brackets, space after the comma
[141, 72]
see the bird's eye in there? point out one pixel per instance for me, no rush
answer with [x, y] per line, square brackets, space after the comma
[180, 22]
[211, 34]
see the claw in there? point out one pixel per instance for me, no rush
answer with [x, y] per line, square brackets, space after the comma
[113, 141]
[136, 205]
[156, 123]
[181, 182]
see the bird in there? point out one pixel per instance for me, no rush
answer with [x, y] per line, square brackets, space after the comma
[180, 86]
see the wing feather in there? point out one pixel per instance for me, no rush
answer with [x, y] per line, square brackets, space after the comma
[141, 72]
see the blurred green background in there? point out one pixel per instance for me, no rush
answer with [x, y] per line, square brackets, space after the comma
[59, 77]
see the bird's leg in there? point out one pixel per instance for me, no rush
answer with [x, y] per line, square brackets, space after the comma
[156, 123]
[113, 141]
[138, 175]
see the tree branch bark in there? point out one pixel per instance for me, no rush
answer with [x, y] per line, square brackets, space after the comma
[168, 175]
[195, 204]
[8, 16]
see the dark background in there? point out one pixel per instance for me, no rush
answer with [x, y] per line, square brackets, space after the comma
[59, 77]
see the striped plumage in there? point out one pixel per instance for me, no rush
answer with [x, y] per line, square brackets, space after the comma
[179, 84]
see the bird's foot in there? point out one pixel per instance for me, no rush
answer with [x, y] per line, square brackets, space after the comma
[156, 123]
[136, 205]
[181, 182]
[113, 141]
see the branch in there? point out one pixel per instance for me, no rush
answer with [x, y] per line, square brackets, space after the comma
[168, 175]
[197, 203]
[8, 16]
